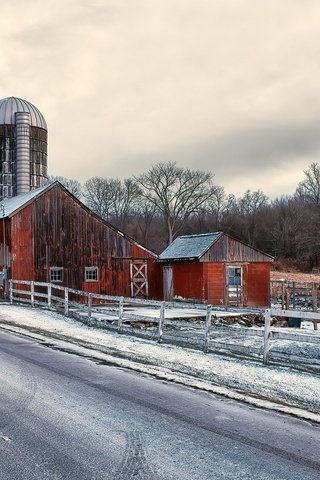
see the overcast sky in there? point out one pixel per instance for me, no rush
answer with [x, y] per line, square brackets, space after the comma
[230, 86]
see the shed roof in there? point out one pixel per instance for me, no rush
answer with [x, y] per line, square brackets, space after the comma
[189, 246]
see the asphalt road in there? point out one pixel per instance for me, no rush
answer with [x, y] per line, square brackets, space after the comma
[67, 417]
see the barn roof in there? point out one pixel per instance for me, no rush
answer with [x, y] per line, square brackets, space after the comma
[8, 206]
[189, 246]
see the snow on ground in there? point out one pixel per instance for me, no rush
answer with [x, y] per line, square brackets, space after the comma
[280, 388]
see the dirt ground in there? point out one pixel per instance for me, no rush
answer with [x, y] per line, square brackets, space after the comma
[296, 277]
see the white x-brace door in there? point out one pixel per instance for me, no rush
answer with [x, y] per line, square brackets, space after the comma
[139, 278]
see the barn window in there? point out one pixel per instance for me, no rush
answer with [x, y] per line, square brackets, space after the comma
[56, 274]
[91, 274]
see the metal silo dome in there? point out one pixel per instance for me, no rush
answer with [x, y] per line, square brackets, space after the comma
[23, 147]
[11, 105]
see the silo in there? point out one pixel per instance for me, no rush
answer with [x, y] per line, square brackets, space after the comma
[23, 147]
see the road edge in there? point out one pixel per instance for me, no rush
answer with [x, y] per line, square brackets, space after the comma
[89, 350]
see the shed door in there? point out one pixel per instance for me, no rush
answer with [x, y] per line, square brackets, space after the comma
[139, 278]
[234, 286]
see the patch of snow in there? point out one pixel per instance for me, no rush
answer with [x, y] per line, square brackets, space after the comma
[246, 379]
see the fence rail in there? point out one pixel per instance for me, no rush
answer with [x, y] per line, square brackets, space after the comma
[291, 294]
[119, 314]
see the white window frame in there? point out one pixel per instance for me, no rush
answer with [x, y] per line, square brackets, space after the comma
[94, 271]
[56, 272]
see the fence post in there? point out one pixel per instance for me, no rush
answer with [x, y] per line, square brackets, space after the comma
[11, 291]
[120, 318]
[266, 347]
[49, 294]
[89, 308]
[314, 297]
[161, 322]
[66, 302]
[314, 303]
[287, 306]
[207, 331]
[32, 293]
[294, 295]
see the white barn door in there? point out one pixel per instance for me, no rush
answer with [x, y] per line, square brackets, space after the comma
[139, 278]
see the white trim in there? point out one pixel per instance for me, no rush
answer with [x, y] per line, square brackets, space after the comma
[54, 271]
[90, 270]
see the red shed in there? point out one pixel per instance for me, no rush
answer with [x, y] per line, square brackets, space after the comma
[217, 269]
[48, 235]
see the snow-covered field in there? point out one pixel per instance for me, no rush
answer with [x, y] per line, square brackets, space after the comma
[277, 387]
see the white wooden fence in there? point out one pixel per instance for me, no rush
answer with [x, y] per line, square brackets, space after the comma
[88, 307]
[88, 303]
[269, 334]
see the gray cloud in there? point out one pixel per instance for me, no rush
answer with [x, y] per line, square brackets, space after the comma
[261, 146]
[228, 86]
[262, 151]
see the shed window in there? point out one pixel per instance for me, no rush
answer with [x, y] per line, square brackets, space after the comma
[91, 274]
[56, 274]
[234, 274]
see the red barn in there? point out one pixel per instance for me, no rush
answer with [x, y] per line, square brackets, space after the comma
[216, 269]
[48, 235]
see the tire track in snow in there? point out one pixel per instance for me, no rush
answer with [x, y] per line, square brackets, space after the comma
[135, 464]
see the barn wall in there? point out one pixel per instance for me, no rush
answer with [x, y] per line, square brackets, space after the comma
[155, 279]
[257, 284]
[214, 275]
[21, 245]
[55, 230]
[5, 253]
[188, 280]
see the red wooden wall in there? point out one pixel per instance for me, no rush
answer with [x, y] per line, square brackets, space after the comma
[206, 282]
[257, 284]
[188, 280]
[56, 230]
[214, 280]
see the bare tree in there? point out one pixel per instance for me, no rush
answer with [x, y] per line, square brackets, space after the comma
[241, 215]
[112, 199]
[309, 188]
[74, 186]
[144, 214]
[211, 213]
[252, 202]
[292, 231]
[175, 192]
[125, 199]
[98, 196]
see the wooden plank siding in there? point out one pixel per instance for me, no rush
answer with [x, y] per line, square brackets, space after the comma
[188, 280]
[57, 230]
[214, 281]
[5, 253]
[227, 249]
[206, 282]
[258, 284]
